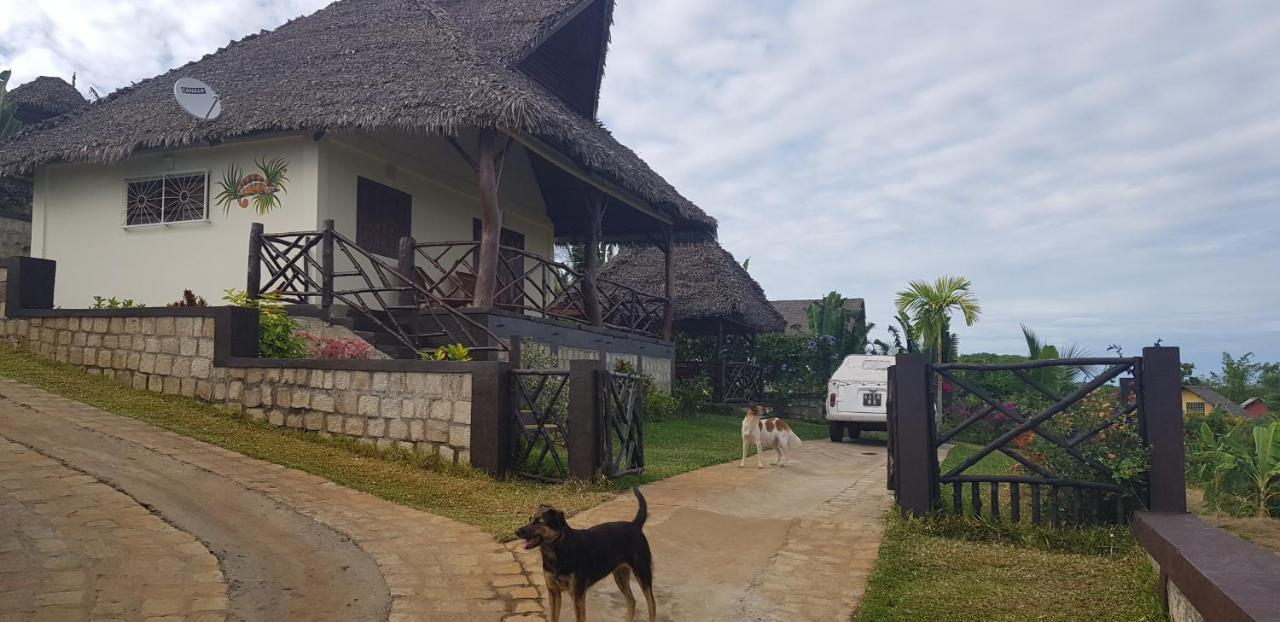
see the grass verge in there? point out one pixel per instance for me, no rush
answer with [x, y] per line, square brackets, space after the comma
[1264, 532]
[949, 567]
[681, 445]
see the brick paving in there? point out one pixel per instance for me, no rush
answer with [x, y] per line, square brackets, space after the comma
[434, 567]
[73, 548]
[796, 543]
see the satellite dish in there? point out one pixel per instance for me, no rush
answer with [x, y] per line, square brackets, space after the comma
[197, 98]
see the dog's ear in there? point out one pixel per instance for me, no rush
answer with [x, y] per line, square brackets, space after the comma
[555, 519]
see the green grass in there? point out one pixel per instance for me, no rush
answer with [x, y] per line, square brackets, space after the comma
[925, 572]
[949, 567]
[682, 445]
[498, 507]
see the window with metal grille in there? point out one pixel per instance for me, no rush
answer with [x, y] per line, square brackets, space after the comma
[383, 216]
[1195, 408]
[166, 199]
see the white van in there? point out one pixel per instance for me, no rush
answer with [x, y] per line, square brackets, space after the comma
[857, 395]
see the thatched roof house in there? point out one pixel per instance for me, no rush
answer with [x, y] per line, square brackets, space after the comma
[44, 98]
[419, 66]
[711, 288]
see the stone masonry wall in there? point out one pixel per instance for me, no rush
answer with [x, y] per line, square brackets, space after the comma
[424, 412]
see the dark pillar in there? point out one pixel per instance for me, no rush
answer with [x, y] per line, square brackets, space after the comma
[30, 284]
[720, 366]
[591, 259]
[669, 288]
[916, 462]
[584, 422]
[326, 268]
[255, 261]
[235, 334]
[488, 170]
[405, 265]
[1162, 409]
[491, 414]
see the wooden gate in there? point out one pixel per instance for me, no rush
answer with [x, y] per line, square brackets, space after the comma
[576, 424]
[1073, 448]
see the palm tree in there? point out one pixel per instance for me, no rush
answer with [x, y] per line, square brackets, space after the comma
[1056, 377]
[930, 306]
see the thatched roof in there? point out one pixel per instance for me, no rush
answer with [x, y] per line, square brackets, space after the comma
[710, 285]
[43, 98]
[397, 65]
[796, 312]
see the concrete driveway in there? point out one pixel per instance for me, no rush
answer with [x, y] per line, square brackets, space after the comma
[729, 543]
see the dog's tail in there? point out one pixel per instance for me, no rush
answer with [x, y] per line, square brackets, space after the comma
[795, 438]
[642, 512]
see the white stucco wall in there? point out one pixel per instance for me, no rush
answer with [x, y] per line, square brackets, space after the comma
[78, 211]
[445, 199]
[443, 186]
[78, 216]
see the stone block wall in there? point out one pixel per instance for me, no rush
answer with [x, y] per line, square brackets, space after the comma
[411, 405]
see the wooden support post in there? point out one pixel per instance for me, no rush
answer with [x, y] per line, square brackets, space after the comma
[720, 367]
[492, 411]
[591, 259]
[916, 460]
[1162, 409]
[488, 170]
[405, 265]
[326, 268]
[254, 283]
[669, 286]
[584, 417]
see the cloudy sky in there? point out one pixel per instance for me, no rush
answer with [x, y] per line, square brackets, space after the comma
[1105, 172]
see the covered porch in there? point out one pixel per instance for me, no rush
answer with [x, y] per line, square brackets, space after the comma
[487, 291]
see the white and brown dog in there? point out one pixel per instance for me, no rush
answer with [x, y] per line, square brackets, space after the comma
[772, 433]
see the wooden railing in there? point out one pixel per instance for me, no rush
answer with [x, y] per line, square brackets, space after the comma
[1081, 483]
[533, 285]
[301, 269]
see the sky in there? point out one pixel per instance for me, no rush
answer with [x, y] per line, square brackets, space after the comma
[1104, 172]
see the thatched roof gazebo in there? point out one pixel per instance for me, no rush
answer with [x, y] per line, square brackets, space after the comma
[712, 291]
[44, 98]
[714, 297]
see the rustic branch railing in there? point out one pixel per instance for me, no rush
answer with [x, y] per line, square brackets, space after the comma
[370, 287]
[743, 383]
[620, 406]
[1075, 487]
[535, 285]
[541, 423]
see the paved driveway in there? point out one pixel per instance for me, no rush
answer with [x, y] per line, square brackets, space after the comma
[729, 543]
[104, 517]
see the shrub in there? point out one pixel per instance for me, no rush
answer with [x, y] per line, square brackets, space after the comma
[276, 330]
[112, 303]
[451, 352]
[349, 348]
[189, 299]
[692, 395]
[657, 405]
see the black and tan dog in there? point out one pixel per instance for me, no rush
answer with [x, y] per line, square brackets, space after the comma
[574, 559]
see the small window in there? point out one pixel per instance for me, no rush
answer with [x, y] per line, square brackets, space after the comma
[383, 216]
[166, 199]
[872, 398]
[1195, 408]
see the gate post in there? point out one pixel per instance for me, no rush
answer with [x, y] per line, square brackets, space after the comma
[583, 439]
[253, 285]
[1161, 385]
[916, 459]
[326, 267]
[491, 415]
